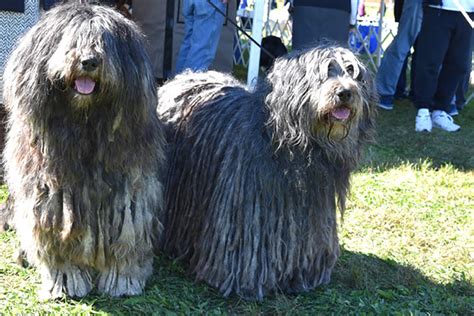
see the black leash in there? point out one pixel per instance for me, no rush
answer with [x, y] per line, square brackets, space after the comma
[241, 29]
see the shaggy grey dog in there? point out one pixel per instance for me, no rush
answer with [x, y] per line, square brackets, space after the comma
[84, 152]
[255, 178]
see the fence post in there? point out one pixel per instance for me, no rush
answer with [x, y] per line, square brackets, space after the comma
[379, 46]
[257, 26]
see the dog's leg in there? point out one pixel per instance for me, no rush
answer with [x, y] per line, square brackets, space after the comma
[131, 255]
[41, 248]
[70, 280]
[78, 281]
[51, 283]
[125, 281]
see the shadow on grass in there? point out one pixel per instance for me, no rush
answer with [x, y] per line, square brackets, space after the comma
[398, 143]
[361, 284]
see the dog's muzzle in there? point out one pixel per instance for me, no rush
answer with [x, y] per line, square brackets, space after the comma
[85, 84]
[343, 111]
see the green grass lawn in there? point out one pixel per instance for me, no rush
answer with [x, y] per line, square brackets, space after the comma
[407, 240]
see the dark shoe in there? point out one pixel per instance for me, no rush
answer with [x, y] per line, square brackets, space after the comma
[453, 110]
[386, 102]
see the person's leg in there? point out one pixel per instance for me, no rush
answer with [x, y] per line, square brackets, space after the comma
[394, 56]
[335, 26]
[306, 27]
[400, 91]
[315, 25]
[432, 44]
[459, 99]
[188, 13]
[207, 28]
[463, 88]
[152, 19]
[431, 48]
[454, 66]
[411, 94]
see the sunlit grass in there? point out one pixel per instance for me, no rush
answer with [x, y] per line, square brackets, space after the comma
[407, 240]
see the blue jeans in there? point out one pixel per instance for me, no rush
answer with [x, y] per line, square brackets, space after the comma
[401, 90]
[202, 29]
[396, 53]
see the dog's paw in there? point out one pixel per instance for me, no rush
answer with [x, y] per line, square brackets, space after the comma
[20, 258]
[78, 282]
[72, 281]
[51, 284]
[116, 284]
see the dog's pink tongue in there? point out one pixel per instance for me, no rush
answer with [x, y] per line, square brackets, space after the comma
[341, 113]
[84, 85]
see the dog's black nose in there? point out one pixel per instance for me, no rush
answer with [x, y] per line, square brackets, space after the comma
[90, 63]
[344, 95]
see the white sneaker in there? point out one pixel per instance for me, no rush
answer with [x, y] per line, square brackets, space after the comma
[423, 121]
[444, 121]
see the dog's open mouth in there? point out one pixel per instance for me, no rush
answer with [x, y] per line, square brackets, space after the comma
[341, 113]
[84, 85]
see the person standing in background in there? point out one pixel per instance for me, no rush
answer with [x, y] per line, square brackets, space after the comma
[150, 15]
[316, 21]
[443, 47]
[396, 53]
[203, 24]
[459, 99]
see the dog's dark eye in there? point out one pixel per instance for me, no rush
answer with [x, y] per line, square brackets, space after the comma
[331, 68]
[360, 75]
[350, 70]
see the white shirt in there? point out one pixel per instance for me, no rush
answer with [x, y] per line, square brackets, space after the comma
[467, 5]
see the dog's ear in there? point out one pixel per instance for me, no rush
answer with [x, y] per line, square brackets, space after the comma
[123, 7]
[275, 47]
